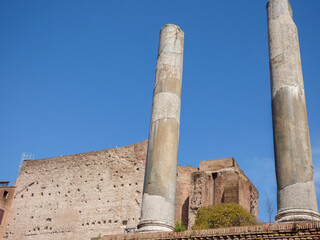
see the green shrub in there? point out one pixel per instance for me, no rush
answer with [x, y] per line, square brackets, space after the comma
[223, 215]
[179, 226]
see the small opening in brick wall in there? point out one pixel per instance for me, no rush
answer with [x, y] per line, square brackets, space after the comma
[1, 215]
[5, 194]
[124, 222]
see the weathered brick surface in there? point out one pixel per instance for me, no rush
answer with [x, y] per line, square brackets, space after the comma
[184, 183]
[296, 231]
[6, 197]
[201, 194]
[82, 195]
[78, 196]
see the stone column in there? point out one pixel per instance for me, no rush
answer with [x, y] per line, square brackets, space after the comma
[294, 170]
[158, 201]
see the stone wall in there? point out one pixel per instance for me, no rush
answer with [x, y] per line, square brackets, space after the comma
[221, 181]
[82, 195]
[78, 196]
[201, 194]
[296, 231]
[6, 197]
[183, 193]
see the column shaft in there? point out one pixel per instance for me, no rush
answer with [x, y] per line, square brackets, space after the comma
[294, 170]
[158, 201]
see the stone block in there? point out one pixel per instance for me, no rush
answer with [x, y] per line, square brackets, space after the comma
[218, 164]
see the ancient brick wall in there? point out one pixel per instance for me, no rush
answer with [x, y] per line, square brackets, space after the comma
[231, 185]
[82, 195]
[184, 183]
[6, 197]
[78, 196]
[284, 231]
[201, 194]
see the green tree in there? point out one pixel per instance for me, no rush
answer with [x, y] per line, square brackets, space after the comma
[223, 215]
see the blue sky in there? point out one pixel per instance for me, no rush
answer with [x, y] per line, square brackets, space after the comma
[78, 76]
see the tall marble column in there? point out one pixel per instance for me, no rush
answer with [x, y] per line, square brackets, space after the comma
[158, 201]
[294, 170]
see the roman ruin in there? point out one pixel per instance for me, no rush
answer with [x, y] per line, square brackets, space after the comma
[294, 169]
[157, 212]
[83, 195]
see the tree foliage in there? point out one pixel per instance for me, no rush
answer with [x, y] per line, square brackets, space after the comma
[179, 226]
[223, 215]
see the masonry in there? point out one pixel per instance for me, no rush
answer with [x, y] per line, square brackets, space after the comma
[83, 195]
[287, 231]
[6, 197]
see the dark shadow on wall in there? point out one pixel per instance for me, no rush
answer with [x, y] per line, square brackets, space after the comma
[185, 212]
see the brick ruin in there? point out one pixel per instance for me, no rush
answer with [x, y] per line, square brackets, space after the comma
[6, 197]
[83, 195]
[274, 231]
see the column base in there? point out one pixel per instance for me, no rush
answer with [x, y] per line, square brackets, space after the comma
[293, 215]
[155, 226]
